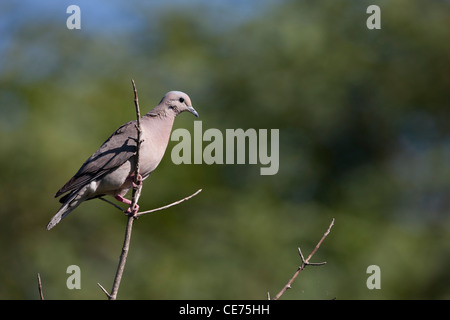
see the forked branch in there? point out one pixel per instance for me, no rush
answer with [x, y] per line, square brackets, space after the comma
[305, 262]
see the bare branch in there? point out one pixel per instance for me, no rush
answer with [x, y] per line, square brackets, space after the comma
[126, 243]
[140, 213]
[304, 263]
[113, 204]
[122, 259]
[136, 194]
[137, 178]
[41, 294]
[169, 205]
[321, 240]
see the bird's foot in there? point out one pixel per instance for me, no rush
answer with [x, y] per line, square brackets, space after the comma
[133, 212]
[129, 211]
[139, 182]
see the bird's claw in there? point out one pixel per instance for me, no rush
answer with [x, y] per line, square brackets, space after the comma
[130, 212]
[139, 182]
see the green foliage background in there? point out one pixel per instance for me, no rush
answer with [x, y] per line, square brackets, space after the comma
[364, 138]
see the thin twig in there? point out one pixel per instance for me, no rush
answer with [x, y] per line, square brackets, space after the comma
[113, 204]
[169, 205]
[321, 240]
[137, 178]
[140, 213]
[41, 294]
[304, 263]
[104, 290]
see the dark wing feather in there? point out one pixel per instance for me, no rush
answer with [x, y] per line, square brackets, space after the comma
[115, 151]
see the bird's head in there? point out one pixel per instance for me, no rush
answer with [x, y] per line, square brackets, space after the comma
[177, 102]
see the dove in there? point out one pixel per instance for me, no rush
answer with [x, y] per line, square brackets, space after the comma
[110, 170]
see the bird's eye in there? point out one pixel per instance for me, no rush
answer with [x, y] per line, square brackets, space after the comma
[181, 100]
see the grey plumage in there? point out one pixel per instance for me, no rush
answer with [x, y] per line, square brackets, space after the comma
[109, 171]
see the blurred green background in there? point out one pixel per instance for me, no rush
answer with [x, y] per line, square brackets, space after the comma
[364, 120]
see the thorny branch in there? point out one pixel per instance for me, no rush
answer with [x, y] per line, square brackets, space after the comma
[305, 262]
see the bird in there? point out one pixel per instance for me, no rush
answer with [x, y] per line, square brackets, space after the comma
[110, 170]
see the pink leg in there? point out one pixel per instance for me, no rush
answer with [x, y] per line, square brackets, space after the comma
[128, 202]
[122, 199]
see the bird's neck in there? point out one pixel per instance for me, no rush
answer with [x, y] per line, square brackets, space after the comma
[161, 121]
[162, 113]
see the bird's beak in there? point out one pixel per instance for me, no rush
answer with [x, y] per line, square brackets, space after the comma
[192, 110]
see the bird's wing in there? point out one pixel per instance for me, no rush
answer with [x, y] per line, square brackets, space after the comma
[115, 151]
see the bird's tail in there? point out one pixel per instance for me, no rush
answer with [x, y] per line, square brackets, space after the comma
[72, 201]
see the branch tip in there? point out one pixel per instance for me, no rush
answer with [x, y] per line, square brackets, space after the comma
[104, 290]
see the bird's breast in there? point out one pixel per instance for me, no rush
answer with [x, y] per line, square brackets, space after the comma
[155, 140]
